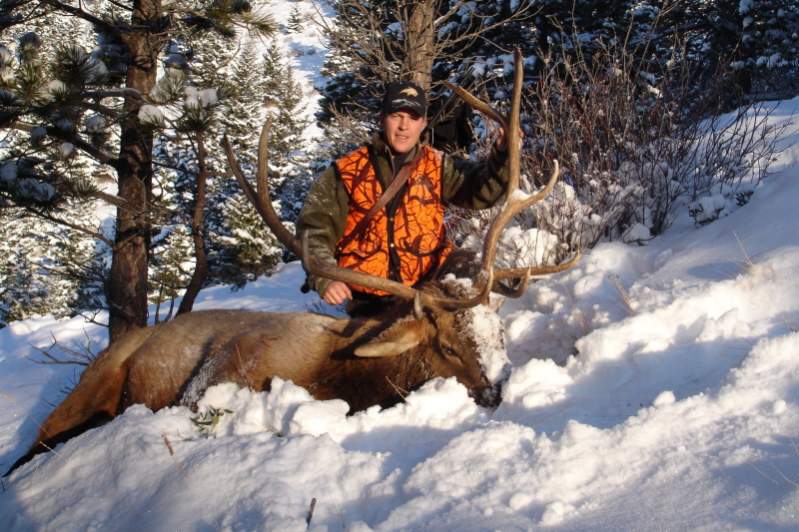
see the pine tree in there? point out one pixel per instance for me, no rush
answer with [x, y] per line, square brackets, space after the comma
[240, 119]
[255, 250]
[289, 172]
[243, 113]
[108, 82]
[295, 20]
[172, 264]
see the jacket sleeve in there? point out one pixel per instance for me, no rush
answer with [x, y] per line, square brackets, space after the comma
[324, 216]
[475, 184]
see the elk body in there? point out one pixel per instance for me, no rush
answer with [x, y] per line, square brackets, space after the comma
[364, 361]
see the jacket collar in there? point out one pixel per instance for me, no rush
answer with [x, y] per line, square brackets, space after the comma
[382, 149]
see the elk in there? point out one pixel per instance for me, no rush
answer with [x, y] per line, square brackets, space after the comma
[364, 361]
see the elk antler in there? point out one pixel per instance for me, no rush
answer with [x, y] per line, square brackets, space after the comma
[515, 201]
[260, 198]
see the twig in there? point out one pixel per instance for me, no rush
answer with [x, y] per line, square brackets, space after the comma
[402, 393]
[74, 357]
[92, 319]
[747, 258]
[625, 297]
[168, 444]
[310, 513]
[753, 466]
[785, 478]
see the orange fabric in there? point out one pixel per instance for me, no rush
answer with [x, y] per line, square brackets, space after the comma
[419, 236]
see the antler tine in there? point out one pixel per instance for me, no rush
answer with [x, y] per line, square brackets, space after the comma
[260, 199]
[513, 139]
[514, 125]
[513, 293]
[515, 273]
[477, 104]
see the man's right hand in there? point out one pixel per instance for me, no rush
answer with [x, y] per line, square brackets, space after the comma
[337, 293]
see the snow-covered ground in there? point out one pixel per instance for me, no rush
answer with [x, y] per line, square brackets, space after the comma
[680, 408]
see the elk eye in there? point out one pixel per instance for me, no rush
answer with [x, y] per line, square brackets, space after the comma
[450, 353]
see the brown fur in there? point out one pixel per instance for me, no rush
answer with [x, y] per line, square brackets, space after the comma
[176, 361]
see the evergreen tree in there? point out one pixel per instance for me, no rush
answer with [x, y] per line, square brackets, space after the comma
[255, 249]
[241, 117]
[289, 173]
[295, 20]
[112, 82]
[172, 265]
[46, 268]
[243, 109]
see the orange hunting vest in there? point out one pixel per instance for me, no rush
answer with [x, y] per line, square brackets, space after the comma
[415, 235]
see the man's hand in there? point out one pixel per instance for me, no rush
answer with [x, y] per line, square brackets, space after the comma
[502, 141]
[337, 293]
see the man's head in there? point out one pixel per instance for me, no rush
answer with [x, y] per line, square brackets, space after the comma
[403, 115]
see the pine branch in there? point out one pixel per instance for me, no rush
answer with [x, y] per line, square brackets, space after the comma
[116, 93]
[110, 28]
[116, 201]
[102, 109]
[52, 131]
[78, 142]
[120, 6]
[56, 220]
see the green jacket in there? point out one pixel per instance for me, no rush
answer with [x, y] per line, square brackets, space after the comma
[467, 184]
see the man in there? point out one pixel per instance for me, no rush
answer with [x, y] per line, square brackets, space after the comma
[406, 240]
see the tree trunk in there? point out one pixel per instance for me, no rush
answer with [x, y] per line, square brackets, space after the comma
[420, 43]
[197, 232]
[126, 289]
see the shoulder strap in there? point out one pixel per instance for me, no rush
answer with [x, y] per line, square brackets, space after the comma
[390, 192]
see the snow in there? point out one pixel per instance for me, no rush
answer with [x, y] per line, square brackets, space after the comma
[203, 98]
[151, 114]
[651, 387]
[55, 88]
[66, 149]
[6, 57]
[96, 123]
[8, 172]
[36, 189]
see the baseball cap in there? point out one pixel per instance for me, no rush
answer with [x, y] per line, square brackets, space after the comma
[404, 96]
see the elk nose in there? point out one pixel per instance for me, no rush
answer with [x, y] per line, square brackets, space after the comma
[487, 395]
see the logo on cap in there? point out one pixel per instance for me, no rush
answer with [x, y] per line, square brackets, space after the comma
[409, 91]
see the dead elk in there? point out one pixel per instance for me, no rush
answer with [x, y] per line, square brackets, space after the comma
[364, 361]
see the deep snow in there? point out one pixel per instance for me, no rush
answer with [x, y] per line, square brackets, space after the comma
[672, 405]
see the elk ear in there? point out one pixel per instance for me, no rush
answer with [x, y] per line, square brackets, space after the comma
[394, 341]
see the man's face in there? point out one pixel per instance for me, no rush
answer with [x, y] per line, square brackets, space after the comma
[402, 130]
